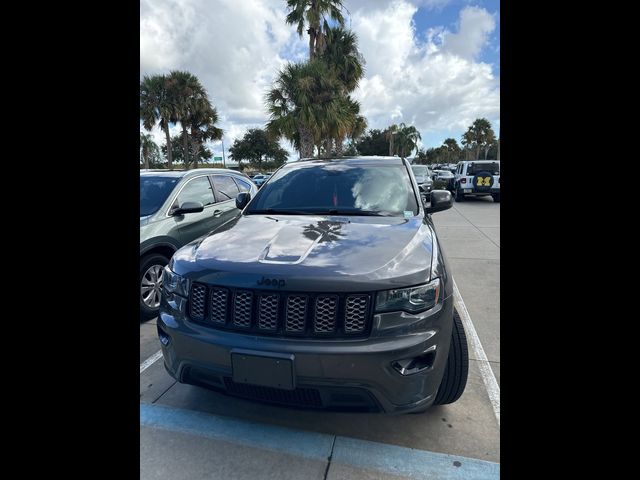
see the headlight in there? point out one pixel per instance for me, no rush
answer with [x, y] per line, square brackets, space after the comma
[412, 300]
[174, 283]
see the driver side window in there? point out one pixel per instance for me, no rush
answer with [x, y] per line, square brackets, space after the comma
[196, 190]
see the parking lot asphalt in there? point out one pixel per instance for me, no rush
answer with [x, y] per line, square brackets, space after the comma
[458, 434]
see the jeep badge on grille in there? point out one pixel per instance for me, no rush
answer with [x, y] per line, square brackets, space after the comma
[272, 282]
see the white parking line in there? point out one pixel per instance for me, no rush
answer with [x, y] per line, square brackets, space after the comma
[489, 379]
[150, 361]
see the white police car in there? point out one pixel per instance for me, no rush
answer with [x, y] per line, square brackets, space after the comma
[477, 178]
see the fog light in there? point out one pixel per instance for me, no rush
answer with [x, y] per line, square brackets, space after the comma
[409, 366]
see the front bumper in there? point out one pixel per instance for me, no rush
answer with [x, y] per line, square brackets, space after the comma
[332, 374]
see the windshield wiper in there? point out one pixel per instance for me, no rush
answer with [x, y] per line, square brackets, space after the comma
[278, 211]
[364, 213]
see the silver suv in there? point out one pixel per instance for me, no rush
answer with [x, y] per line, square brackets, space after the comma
[477, 178]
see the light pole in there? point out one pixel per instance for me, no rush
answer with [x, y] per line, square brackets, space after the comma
[224, 164]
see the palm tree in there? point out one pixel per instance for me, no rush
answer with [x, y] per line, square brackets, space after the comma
[188, 95]
[202, 127]
[313, 13]
[157, 106]
[406, 139]
[148, 148]
[305, 105]
[452, 149]
[390, 134]
[479, 135]
[346, 64]
[343, 57]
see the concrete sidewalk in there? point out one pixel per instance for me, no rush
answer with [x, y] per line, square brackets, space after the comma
[213, 446]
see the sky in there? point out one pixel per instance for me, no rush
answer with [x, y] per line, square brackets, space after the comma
[434, 64]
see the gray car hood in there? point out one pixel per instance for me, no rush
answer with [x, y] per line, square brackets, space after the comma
[321, 253]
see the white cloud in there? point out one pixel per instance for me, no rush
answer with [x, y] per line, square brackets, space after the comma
[433, 85]
[476, 24]
[428, 78]
[233, 47]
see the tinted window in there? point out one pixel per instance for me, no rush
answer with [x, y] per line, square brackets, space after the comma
[338, 188]
[225, 187]
[243, 185]
[197, 190]
[491, 167]
[154, 192]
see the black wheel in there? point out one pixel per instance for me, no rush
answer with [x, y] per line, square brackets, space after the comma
[496, 197]
[459, 195]
[151, 267]
[457, 369]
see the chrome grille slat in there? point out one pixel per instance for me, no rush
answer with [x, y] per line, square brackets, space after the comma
[242, 303]
[268, 312]
[296, 313]
[325, 313]
[355, 313]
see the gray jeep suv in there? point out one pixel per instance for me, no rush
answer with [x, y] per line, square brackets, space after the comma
[330, 290]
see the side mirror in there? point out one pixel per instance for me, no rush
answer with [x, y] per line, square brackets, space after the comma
[242, 199]
[188, 207]
[440, 200]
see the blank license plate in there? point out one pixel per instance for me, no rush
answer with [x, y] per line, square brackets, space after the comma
[468, 190]
[267, 371]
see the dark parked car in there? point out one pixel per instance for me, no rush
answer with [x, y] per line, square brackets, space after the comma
[425, 182]
[176, 207]
[331, 290]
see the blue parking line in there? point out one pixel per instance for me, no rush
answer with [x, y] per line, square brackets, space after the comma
[373, 456]
[418, 464]
[297, 442]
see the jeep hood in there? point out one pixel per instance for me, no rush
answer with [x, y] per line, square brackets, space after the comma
[312, 252]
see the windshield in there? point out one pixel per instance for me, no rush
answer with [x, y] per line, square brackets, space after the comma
[445, 173]
[338, 189]
[492, 167]
[420, 170]
[153, 193]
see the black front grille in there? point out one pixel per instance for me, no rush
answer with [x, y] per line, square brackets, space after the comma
[305, 397]
[281, 313]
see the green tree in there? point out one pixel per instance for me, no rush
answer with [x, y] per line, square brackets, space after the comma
[188, 95]
[256, 147]
[156, 106]
[478, 138]
[305, 105]
[452, 150]
[314, 14]
[406, 139]
[149, 151]
[202, 128]
[346, 64]
[421, 157]
[203, 154]
[374, 142]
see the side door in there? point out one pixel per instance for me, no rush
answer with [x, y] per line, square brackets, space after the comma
[194, 225]
[226, 193]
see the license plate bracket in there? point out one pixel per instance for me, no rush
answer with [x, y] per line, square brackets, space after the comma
[263, 368]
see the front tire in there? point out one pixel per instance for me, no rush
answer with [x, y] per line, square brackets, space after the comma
[455, 375]
[151, 267]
